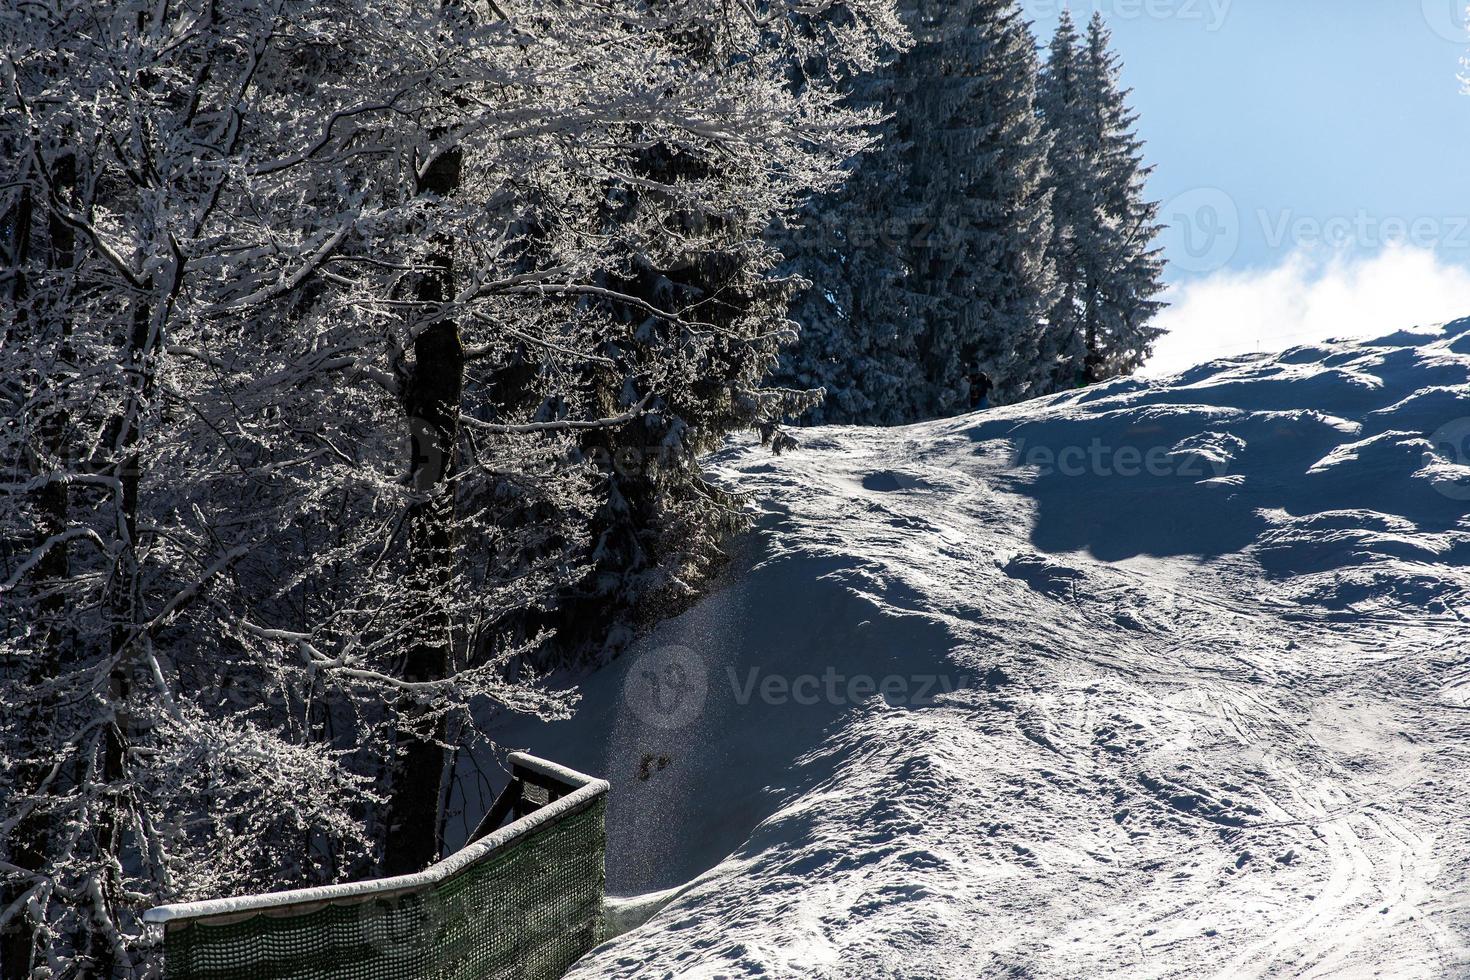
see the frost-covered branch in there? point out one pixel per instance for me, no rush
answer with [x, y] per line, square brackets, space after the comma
[271, 269]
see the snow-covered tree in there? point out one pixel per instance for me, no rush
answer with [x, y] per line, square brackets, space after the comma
[213, 232]
[271, 516]
[859, 326]
[694, 309]
[1059, 103]
[939, 267]
[127, 546]
[979, 162]
[1104, 226]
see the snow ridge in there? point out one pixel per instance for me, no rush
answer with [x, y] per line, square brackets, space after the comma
[1152, 679]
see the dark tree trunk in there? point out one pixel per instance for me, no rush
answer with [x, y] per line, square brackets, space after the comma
[1092, 365]
[432, 405]
[16, 941]
[54, 567]
[51, 503]
[112, 826]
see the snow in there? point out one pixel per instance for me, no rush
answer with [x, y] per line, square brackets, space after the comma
[967, 707]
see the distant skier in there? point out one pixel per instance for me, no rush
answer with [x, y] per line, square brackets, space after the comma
[980, 386]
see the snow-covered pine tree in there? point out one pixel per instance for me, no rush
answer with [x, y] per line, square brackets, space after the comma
[1133, 276]
[979, 162]
[1059, 103]
[939, 264]
[1103, 241]
[859, 326]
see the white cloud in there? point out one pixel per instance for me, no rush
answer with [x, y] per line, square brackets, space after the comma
[1304, 300]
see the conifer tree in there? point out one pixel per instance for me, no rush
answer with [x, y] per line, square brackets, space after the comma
[938, 264]
[979, 160]
[857, 313]
[692, 311]
[1060, 106]
[1104, 225]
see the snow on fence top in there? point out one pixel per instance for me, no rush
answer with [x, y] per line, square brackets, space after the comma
[524, 901]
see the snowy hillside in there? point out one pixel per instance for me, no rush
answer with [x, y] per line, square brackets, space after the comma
[1151, 680]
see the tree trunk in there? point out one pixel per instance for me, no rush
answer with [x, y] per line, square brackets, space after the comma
[16, 941]
[1092, 365]
[431, 404]
[17, 946]
[113, 822]
[54, 568]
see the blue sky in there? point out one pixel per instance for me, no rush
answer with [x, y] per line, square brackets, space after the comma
[1328, 139]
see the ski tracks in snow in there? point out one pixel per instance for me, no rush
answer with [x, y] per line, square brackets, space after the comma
[1185, 756]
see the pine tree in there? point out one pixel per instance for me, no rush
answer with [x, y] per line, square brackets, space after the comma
[939, 265]
[979, 161]
[1059, 104]
[1102, 244]
[695, 311]
[857, 313]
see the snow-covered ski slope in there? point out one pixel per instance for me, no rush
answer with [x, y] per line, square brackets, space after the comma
[1157, 679]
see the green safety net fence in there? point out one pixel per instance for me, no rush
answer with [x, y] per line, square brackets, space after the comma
[526, 910]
